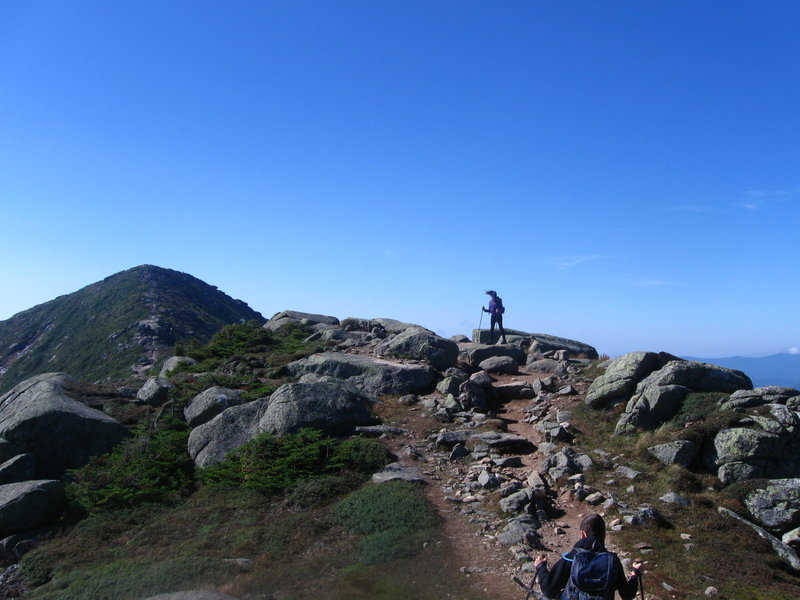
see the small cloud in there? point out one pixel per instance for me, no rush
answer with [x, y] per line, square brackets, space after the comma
[793, 350]
[750, 206]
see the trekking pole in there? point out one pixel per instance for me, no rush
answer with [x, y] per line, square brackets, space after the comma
[641, 585]
[480, 322]
[528, 588]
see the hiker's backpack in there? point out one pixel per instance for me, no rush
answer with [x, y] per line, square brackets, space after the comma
[592, 577]
[500, 309]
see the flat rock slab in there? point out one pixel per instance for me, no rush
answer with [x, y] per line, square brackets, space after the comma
[398, 472]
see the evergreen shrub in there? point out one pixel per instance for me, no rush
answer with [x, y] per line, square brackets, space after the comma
[272, 464]
[153, 466]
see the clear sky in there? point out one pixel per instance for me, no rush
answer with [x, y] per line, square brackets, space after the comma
[626, 174]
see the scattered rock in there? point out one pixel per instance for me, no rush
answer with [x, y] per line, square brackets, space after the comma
[681, 452]
[154, 392]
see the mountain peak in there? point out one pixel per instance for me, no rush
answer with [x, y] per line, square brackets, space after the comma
[117, 327]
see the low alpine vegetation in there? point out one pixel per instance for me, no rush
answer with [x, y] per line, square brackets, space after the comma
[272, 464]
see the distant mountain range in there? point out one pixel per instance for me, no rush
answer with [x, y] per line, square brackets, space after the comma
[776, 369]
[115, 328]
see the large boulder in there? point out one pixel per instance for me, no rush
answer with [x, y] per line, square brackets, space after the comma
[420, 344]
[209, 403]
[287, 317]
[395, 326]
[371, 375]
[764, 445]
[154, 392]
[329, 405]
[211, 442]
[659, 396]
[698, 376]
[622, 375]
[472, 354]
[499, 364]
[38, 416]
[30, 504]
[173, 362]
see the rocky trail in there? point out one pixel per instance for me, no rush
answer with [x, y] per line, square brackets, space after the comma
[471, 521]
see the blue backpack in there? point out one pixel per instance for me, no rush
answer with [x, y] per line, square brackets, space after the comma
[592, 577]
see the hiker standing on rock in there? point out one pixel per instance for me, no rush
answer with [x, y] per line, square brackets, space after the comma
[588, 568]
[496, 309]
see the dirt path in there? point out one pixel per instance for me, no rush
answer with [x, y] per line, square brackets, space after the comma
[469, 527]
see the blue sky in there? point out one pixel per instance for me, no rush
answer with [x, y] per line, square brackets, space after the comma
[623, 173]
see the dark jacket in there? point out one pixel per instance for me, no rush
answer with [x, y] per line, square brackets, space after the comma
[555, 580]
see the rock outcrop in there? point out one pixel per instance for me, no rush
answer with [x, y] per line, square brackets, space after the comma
[762, 444]
[328, 405]
[420, 344]
[372, 375]
[771, 394]
[660, 395]
[287, 317]
[332, 406]
[211, 442]
[622, 375]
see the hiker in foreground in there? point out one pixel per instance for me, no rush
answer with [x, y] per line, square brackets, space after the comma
[496, 309]
[588, 571]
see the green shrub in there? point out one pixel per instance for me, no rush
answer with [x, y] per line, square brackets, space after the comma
[394, 517]
[361, 455]
[271, 464]
[315, 492]
[697, 407]
[153, 466]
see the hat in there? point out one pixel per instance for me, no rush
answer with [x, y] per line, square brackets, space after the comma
[491, 292]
